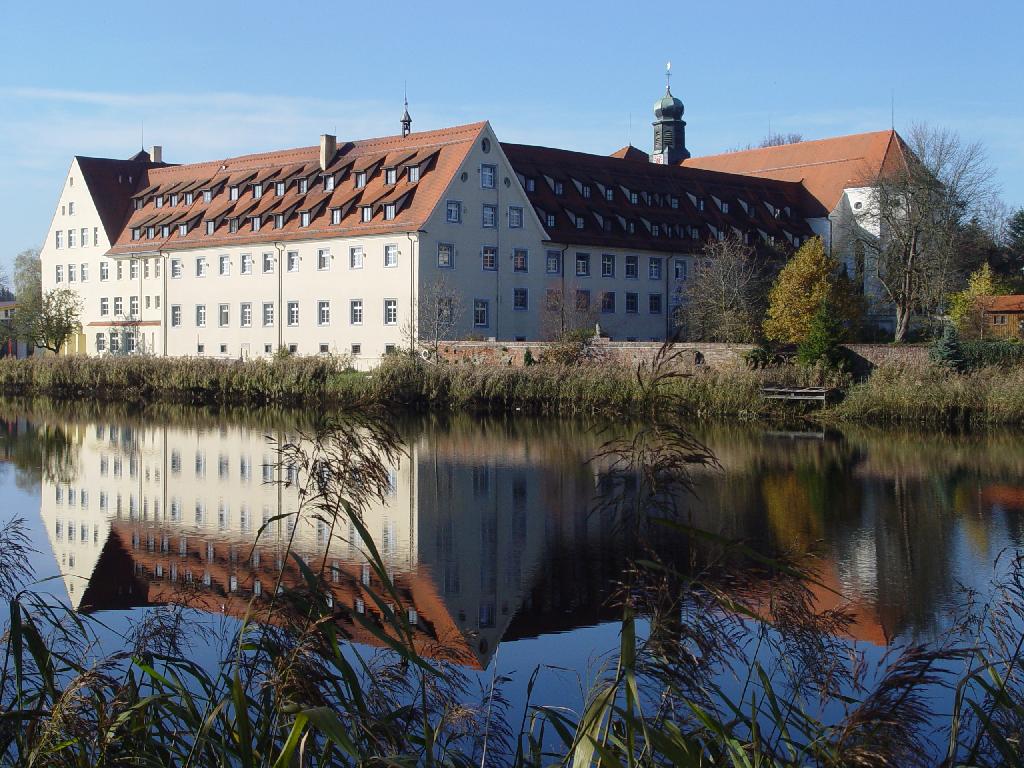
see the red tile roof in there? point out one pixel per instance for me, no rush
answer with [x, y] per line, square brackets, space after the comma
[679, 204]
[111, 184]
[825, 166]
[1005, 304]
[438, 153]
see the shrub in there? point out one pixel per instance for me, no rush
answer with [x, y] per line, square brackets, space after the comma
[821, 345]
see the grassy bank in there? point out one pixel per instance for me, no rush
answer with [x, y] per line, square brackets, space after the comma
[893, 393]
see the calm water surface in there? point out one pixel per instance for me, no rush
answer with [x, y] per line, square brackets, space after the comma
[494, 531]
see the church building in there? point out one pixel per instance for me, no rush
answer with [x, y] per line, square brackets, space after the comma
[356, 247]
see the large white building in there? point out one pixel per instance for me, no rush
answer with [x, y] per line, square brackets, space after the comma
[334, 248]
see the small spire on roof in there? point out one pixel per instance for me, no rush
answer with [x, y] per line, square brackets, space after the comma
[406, 120]
[668, 77]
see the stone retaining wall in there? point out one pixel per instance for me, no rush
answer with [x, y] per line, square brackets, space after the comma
[632, 352]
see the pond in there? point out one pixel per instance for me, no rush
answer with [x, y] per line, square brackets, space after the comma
[494, 531]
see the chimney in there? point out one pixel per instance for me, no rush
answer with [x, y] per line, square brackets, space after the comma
[156, 154]
[328, 146]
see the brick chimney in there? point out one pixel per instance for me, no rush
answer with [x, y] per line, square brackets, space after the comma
[328, 146]
[156, 154]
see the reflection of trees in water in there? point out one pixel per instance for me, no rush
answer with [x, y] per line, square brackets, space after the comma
[38, 451]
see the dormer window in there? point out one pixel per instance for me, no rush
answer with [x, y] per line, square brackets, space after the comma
[674, 201]
[335, 215]
[360, 179]
[211, 226]
[634, 198]
[174, 199]
[279, 189]
[136, 235]
[303, 185]
[390, 175]
[389, 211]
[579, 222]
[329, 182]
[631, 227]
[585, 190]
[531, 184]
[165, 230]
[559, 188]
[655, 230]
[232, 225]
[207, 195]
[189, 198]
[725, 206]
[367, 213]
[150, 233]
[159, 201]
[278, 220]
[256, 223]
[609, 193]
[551, 220]
[304, 219]
[700, 203]
[233, 193]
[182, 230]
[136, 204]
[413, 173]
[257, 191]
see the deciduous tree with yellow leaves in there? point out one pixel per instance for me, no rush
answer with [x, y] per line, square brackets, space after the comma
[967, 307]
[809, 279]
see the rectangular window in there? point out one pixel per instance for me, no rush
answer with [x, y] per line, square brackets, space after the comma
[232, 225]
[302, 185]
[357, 349]
[246, 263]
[360, 179]
[104, 271]
[104, 307]
[83, 235]
[390, 311]
[481, 313]
[520, 299]
[553, 262]
[582, 300]
[487, 175]
[211, 226]
[323, 259]
[453, 212]
[389, 211]
[654, 268]
[278, 220]
[293, 313]
[101, 346]
[489, 258]
[232, 193]
[413, 172]
[118, 306]
[200, 315]
[175, 315]
[175, 269]
[293, 261]
[200, 267]
[207, 195]
[329, 182]
[390, 175]
[268, 263]
[268, 314]
[225, 265]
[632, 303]
[515, 217]
[323, 313]
[680, 270]
[609, 193]
[608, 302]
[355, 257]
[583, 264]
[391, 255]
[520, 260]
[245, 314]
[256, 221]
[355, 311]
[182, 230]
[304, 219]
[133, 306]
[223, 315]
[72, 273]
[654, 303]
[335, 215]
[632, 267]
[58, 237]
[133, 269]
[279, 188]
[445, 255]
[366, 212]
[551, 220]
[607, 265]
[490, 216]
[189, 198]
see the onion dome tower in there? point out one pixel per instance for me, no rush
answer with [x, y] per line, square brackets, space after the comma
[669, 127]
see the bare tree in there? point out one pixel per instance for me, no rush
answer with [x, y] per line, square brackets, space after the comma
[726, 297]
[566, 313]
[439, 308]
[776, 139]
[913, 215]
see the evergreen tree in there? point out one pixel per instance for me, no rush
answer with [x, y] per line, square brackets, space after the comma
[946, 351]
[825, 334]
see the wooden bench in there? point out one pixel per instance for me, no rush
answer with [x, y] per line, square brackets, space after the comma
[797, 393]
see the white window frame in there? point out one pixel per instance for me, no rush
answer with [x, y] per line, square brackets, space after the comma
[390, 311]
[323, 313]
[355, 312]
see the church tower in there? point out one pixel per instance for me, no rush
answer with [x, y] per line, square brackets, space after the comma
[669, 127]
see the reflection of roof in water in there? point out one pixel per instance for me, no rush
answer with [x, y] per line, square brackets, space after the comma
[147, 576]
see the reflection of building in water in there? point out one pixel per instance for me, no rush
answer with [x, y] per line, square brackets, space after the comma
[163, 514]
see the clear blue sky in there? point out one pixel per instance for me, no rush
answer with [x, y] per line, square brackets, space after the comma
[216, 78]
